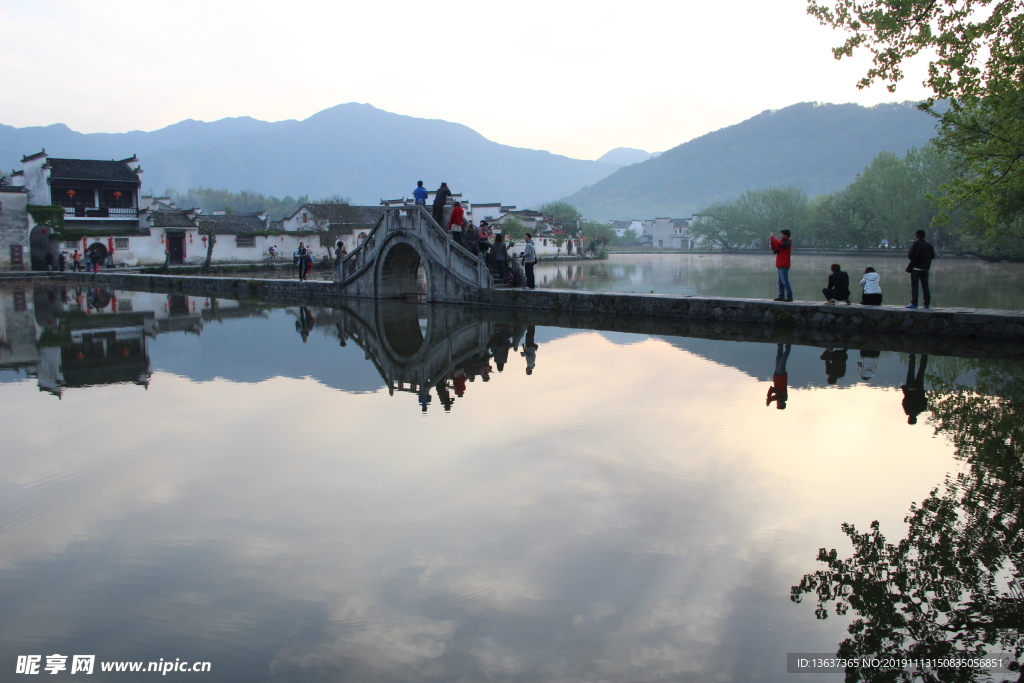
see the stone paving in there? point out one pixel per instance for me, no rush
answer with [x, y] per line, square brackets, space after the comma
[952, 322]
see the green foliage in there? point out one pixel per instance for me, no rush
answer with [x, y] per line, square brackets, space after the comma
[561, 211]
[949, 589]
[596, 234]
[209, 199]
[47, 215]
[512, 230]
[976, 75]
[977, 44]
[756, 213]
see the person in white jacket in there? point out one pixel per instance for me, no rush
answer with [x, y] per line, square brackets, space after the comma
[872, 288]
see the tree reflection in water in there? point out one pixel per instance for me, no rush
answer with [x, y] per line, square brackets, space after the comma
[952, 587]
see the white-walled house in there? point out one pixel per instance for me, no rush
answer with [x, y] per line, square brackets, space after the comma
[337, 222]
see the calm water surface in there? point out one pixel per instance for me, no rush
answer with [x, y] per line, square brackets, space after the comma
[954, 282]
[400, 493]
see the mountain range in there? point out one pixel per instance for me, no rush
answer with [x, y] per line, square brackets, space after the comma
[355, 150]
[368, 154]
[816, 147]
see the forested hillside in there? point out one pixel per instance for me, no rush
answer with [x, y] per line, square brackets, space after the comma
[817, 148]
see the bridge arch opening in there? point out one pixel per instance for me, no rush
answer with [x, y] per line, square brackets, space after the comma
[402, 273]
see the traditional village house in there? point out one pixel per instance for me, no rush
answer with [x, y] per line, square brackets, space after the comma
[14, 228]
[667, 233]
[334, 222]
[100, 201]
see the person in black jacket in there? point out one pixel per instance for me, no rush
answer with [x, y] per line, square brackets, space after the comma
[921, 255]
[440, 199]
[838, 286]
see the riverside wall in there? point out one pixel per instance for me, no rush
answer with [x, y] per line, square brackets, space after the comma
[941, 322]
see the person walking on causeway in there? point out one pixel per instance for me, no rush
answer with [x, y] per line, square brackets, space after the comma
[782, 249]
[838, 286]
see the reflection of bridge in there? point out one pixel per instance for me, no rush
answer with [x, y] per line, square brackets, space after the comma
[386, 265]
[411, 351]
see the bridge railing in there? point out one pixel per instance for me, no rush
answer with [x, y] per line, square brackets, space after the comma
[459, 261]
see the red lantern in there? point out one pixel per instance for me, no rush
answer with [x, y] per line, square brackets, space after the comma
[161, 238]
[190, 238]
[117, 194]
[204, 240]
[70, 193]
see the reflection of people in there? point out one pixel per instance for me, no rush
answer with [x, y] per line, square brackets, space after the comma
[782, 249]
[868, 364]
[921, 255]
[305, 323]
[915, 401]
[444, 396]
[424, 397]
[459, 382]
[838, 286]
[872, 288]
[500, 345]
[342, 337]
[530, 349]
[779, 391]
[835, 364]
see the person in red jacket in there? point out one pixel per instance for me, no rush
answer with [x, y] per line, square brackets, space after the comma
[456, 220]
[782, 250]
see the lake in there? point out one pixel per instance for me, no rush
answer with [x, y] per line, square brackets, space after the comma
[392, 492]
[954, 282]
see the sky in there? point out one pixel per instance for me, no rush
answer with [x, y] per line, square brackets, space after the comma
[572, 78]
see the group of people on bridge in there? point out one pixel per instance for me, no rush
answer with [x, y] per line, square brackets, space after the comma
[477, 239]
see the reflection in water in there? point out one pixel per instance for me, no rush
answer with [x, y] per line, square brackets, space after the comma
[298, 498]
[952, 587]
[779, 390]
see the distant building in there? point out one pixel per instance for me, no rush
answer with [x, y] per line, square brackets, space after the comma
[335, 222]
[667, 233]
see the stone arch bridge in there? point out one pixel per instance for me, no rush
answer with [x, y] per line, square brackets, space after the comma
[387, 264]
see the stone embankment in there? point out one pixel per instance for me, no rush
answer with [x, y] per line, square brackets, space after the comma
[945, 322]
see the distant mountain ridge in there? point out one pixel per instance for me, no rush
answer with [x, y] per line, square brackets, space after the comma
[624, 156]
[816, 147]
[352, 149]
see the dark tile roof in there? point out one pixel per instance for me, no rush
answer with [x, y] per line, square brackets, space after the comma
[12, 188]
[172, 219]
[342, 214]
[235, 224]
[91, 169]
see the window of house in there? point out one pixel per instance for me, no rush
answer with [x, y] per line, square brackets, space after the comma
[242, 241]
[120, 243]
[305, 217]
[544, 242]
[124, 305]
[71, 245]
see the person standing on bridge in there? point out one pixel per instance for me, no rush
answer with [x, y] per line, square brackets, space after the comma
[302, 260]
[782, 249]
[455, 222]
[440, 199]
[420, 194]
